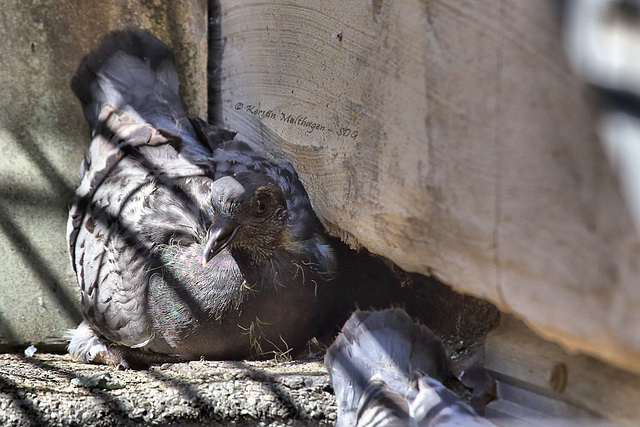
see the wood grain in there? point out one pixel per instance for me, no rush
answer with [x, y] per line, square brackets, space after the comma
[516, 356]
[451, 138]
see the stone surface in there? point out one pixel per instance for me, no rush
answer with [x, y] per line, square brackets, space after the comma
[43, 136]
[451, 138]
[42, 390]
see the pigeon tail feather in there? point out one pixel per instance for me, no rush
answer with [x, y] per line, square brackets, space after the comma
[135, 72]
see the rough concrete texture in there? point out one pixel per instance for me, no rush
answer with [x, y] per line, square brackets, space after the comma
[43, 136]
[53, 390]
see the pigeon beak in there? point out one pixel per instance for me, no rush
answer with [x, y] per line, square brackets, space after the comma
[219, 236]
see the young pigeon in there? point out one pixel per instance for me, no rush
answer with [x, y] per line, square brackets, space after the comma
[185, 243]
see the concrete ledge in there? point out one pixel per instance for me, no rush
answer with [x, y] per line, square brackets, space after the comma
[40, 391]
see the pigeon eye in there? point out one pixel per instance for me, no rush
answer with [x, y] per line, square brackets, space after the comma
[262, 206]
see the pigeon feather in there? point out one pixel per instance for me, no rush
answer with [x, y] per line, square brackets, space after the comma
[386, 370]
[185, 242]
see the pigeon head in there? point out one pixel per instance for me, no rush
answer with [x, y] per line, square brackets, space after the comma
[249, 216]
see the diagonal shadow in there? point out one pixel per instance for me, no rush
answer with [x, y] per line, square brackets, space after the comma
[6, 331]
[37, 157]
[25, 406]
[39, 265]
[113, 222]
[272, 386]
[117, 403]
[35, 415]
[17, 193]
[20, 237]
[269, 383]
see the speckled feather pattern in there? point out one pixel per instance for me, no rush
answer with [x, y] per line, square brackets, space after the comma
[386, 370]
[139, 221]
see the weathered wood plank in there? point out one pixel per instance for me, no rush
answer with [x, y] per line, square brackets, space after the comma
[520, 359]
[451, 138]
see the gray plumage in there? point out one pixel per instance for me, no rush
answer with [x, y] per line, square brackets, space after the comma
[386, 371]
[184, 241]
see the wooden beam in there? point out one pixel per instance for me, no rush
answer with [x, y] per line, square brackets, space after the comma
[451, 138]
[540, 376]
